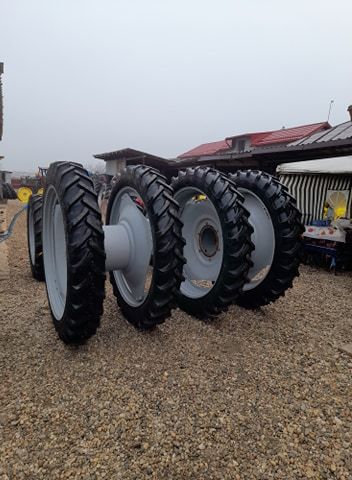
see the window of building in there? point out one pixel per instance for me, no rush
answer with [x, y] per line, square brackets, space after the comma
[241, 145]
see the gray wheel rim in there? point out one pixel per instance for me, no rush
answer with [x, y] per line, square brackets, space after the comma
[135, 279]
[31, 235]
[54, 252]
[263, 237]
[204, 242]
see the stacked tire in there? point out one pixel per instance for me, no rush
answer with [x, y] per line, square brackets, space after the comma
[270, 199]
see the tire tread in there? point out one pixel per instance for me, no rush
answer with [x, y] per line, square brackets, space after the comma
[288, 229]
[236, 232]
[85, 250]
[168, 244]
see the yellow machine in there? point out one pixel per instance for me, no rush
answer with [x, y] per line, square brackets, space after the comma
[24, 194]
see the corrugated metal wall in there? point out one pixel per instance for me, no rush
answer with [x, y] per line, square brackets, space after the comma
[310, 192]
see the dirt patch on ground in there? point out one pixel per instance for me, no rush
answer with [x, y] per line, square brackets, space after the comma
[261, 394]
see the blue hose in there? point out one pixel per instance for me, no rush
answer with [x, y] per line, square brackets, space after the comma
[4, 236]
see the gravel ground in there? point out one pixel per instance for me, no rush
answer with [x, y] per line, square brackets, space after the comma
[260, 394]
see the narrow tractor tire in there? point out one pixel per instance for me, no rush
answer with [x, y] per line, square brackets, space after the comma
[9, 193]
[85, 255]
[34, 236]
[13, 192]
[286, 221]
[167, 256]
[97, 184]
[236, 233]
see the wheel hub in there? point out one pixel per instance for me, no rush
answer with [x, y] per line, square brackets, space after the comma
[208, 240]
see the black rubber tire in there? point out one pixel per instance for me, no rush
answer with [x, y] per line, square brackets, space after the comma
[162, 211]
[85, 251]
[34, 214]
[236, 233]
[97, 184]
[13, 193]
[108, 188]
[5, 192]
[288, 229]
[9, 193]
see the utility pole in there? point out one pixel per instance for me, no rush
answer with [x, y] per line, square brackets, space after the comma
[330, 106]
[4, 257]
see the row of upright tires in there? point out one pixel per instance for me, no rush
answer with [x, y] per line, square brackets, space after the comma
[203, 242]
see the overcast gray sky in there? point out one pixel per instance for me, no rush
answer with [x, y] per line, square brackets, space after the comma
[89, 76]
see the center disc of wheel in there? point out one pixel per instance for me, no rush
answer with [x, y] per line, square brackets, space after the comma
[208, 240]
[204, 243]
[134, 276]
[55, 253]
[263, 237]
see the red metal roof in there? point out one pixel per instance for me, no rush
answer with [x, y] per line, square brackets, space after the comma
[206, 149]
[287, 135]
[259, 139]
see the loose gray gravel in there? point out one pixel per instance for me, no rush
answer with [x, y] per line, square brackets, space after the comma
[254, 395]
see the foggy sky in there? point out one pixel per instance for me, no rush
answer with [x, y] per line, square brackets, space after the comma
[90, 76]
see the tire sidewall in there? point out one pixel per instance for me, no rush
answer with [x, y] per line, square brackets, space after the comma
[269, 289]
[59, 323]
[274, 221]
[215, 290]
[134, 312]
[37, 268]
[217, 299]
[85, 256]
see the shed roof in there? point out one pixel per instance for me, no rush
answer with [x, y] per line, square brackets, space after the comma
[328, 143]
[210, 148]
[258, 139]
[133, 157]
[335, 165]
[340, 132]
[287, 135]
[127, 154]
